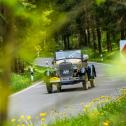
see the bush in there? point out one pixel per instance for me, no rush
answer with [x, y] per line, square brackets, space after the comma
[22, 81]
[19, 82]
[107, 56]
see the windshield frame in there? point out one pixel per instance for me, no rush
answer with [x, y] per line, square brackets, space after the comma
[66, 55]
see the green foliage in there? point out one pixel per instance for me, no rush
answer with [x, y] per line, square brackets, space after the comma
[11, 3]
[108, 57]
[88, 51]
[19, 82]
[39, 72]
[98, 2]
[36, 34]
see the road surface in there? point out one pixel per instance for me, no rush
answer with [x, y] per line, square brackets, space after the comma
[35, 99]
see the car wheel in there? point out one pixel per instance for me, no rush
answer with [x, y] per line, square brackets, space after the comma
[49, 88]
[58, 87]
[85, 85]
[86, 77]
[92, 82]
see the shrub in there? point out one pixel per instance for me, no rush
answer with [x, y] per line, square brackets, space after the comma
[19, 82]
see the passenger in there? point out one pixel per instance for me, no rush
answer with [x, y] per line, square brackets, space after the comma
[90, 69]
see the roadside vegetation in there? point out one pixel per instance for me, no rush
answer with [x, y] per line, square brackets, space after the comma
[22, 81]
[105, 57]
[109, 112]
[19, 82]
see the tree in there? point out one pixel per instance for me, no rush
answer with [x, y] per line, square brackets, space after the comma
[19, 41]
[6, 58]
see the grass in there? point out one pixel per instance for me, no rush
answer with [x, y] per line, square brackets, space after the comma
[19, 82]
[22, 81]
[107, 57]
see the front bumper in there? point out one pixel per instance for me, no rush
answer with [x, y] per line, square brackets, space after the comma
[66, 80]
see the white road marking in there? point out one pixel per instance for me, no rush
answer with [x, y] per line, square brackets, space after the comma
[26, 89]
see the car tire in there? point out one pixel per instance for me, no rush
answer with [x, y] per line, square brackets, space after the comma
[85, 85]
[58, 87]
[92, 82]
[85, 82]
[49, 88]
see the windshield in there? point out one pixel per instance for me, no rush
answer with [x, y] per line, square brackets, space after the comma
[68, 55]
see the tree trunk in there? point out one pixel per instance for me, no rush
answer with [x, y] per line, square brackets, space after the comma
[109, 46]
[18, 66]
[85, 38]
[94, 41]
[88, 37]
[65, 42]
[79, 40]
[3, 25]
[122, 34]
[56, 37]
[5, 64]
[122, 27]
[81, 37]
[99, 40]
[68, 42]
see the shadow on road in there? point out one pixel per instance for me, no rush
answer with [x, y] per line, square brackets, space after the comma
[70, 90]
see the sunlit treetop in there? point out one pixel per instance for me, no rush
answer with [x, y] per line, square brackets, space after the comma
[11, 3]
[98, 2]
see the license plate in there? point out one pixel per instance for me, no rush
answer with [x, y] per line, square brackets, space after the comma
[65, 79]
[53, 79]
[65, 72]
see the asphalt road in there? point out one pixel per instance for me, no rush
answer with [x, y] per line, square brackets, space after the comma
[35, 99]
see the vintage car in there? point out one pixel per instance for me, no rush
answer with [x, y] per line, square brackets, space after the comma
[70, 67]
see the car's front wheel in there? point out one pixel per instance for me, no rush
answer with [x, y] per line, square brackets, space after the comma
[49, 88]
[85, 85]
[58, 87]
[85, 82]
[92, 82]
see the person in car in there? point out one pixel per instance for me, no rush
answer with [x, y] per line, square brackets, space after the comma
[90, 69]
